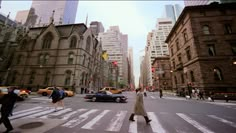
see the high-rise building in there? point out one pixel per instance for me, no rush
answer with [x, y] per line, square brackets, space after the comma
[22, 16]
[64, 12]
[116, 43]
[96, 27]
[131, 68]
[156, 46]
[173, 11]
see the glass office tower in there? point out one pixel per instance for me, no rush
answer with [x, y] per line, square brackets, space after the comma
[65, 11]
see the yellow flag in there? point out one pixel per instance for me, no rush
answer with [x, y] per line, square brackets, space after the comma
[104, 55]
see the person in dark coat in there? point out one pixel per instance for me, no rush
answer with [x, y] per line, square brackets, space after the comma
[55, 95]
[8, 102]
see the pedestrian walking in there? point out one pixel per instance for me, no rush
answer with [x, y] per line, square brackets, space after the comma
[55, 95]
[139, 107]
[62, 96]
[8, 102]
[161, 94]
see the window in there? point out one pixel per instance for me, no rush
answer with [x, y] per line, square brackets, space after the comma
[70, 58]
[217, 74]
[228, 29]
[46, 58]
[176, 80]
[19, 59]
[84, 59]
[211, 50]
[188, 53]
[192, 76]
[173, 63]
[88, 43]
[73, 42]
[205, 29]
[179, 58]
[172, 52]
[177, 44]
[185, 36]
[89, 62]
[47, 40]
[68, 77]
[182, 78]
[47, 78]
[32, 77]
[233, 47]
[163, 75]
[23, 45]
[14, 76]
[40, 59]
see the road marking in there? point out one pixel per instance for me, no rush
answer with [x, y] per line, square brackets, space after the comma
[24, 114]
[46, 99]
[155, 123]
[57, 113]
[67, 116]
[27, 110]
[195, 123]
[76, 121]
[90, 124]
[50, 110]
[133, 127]
[117, 121]
[153, 97]
[223, 120]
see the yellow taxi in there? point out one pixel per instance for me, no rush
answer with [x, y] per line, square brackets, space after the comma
[22, 94]
[113, 90]
[47, 91]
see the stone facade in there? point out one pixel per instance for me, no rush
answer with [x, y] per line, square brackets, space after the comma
[161, 73]
[203, 48]
[64, 55]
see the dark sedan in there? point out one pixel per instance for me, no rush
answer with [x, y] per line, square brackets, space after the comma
[106, 96]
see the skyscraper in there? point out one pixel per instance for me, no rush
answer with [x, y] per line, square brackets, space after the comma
[64, 11]
[22, 16]
[173, 11]
[96, 27]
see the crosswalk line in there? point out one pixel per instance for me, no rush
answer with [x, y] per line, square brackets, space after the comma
[194, 123]
[90, 124]
[50, 110]
[153, 97]
[223, 120]
[133, 127]
[67, 116]
[26, 110]
[24, 114]
[155, 123]
[57, 113]
[76, 121]
[40, 98]
[117, 121]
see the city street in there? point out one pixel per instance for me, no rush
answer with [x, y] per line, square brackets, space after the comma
[169, 115]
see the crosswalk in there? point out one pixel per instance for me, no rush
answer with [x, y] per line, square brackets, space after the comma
[91, 119]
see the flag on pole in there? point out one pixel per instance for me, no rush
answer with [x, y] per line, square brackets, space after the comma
[104, 55]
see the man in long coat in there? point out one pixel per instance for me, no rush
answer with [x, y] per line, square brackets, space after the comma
[139, 107]
[8, 102]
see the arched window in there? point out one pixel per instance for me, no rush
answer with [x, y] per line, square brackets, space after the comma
[84, 56]
[218, 74]
[68, 77]
[82, 78]
[32, 77]
[47, 40]
[73, 42]
[40, 59]
[19, 59]
[14, 77]
[47, 78]
[206, 30]
[70, 58]
[46, 58]
[88, 43]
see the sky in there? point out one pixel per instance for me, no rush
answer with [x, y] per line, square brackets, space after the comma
[134, 18]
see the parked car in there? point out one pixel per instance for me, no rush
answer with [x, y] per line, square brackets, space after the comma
[106, 96]
[47, 91]
[22, 95]
[113, 90]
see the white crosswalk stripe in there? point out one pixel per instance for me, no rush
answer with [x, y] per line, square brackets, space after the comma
[92, 119]
[195, 123]
[223, 120]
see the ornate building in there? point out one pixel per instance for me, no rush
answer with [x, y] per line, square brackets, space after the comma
[63, 55]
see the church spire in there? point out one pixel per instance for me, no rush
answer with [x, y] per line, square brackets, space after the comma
[6, 21]
[86, 21]
[52, 17]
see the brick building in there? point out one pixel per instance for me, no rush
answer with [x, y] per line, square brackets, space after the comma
[202, 48]
[161, 73]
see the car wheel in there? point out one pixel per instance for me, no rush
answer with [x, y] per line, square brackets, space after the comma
[44, 94]
[118, 100]
[94, 99]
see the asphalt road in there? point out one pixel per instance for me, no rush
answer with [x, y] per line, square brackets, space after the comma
[169, 115]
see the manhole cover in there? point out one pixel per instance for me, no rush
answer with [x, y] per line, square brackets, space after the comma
[31, 125]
